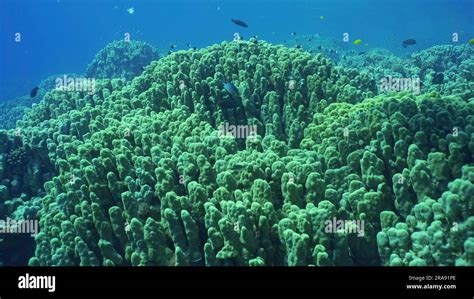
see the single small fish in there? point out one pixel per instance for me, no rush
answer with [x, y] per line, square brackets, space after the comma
[471, 41]
[320, 47]
[309, 39]
[438, 79]
[357, 42]
[188, 45]
[408, 42]
[298, 47]
[172, 46]
[131, 10]
[239, 22]
[169, 52]
[293, 33]
[361, 53]
[230, 87]
[194, 48]
[321, 17]
[34, 92]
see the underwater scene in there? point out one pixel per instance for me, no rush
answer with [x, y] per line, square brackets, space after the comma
[236, 133]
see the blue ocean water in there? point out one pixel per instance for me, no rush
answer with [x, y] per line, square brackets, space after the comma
[62, 36]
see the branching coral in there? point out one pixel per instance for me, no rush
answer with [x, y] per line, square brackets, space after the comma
[145, 177]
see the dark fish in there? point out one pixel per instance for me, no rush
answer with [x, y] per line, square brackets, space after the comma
[194, 48]
[239, 22]
[188, 45]
[298, 47]
[172, 46]
[309, 39]
[293, 33]
[319, 47]
[438, 79]
[361, 53]
[230, 87]
[408, 42]
[34, 92]
[169, 52]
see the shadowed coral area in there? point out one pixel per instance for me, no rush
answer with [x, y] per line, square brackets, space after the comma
[143, 177]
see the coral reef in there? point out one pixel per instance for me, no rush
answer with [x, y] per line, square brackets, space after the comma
[456, 63]
[13, 110]
[122, 59]
[143, 175]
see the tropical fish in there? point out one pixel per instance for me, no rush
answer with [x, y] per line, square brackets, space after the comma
[131, 10]
[239, 22]
[293, 33]
[172, 46]
[357, 42]
[471, 41]
[230, 87]
[298, 47]
[34, 92]
[320, 47]
[321, 17]
[408, 42]
[438, 79]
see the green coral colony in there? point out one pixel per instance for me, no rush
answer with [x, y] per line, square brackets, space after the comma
[137, 174]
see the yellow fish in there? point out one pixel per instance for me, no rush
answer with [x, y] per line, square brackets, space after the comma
[357, 42]
[471, 41]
